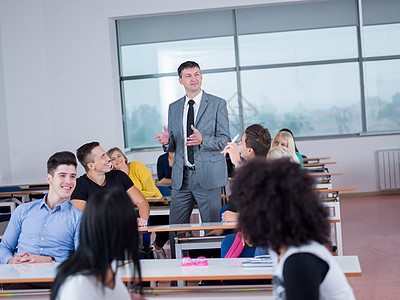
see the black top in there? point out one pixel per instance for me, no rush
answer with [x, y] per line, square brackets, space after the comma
[302, 276]
[85, 187]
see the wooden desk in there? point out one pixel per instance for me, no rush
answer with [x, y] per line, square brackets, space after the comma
[314, 159]
[194, 226]
[327, 174]
[331, 201]
[13, 201]
[20, 193]
[324, 178]
[219, 268]
[335, 190]
[167, 270]
[164, 211]
[26, 185]
[193, 292]
[157, 199]
[318, 164]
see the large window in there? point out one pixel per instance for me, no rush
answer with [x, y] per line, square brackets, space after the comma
[309, 67]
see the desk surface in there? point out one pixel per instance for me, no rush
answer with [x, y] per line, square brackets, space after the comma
[193, 226]
[318, 164]
[334, 190]
[157, 199]
[21, 193]
[325, 174]
[166, 270]
[314, 158]
[23, 183]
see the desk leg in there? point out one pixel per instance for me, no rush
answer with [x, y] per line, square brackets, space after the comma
[172, 236]
[13, 204]
[339, 229]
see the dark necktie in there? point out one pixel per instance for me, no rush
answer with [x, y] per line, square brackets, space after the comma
[189, 131]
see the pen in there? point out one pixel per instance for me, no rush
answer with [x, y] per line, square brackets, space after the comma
[235, 138]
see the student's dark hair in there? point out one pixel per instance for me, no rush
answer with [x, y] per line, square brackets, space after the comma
[288, 130]
[60, 158]
[187, 65]
[259, 139]
[278, 206]
[84, 153]
[108, 232]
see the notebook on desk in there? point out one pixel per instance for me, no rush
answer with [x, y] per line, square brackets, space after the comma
[257, 261]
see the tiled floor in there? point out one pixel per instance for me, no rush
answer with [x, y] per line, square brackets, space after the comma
[371, 230]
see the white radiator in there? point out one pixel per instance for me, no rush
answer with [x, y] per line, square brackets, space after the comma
[389, 169]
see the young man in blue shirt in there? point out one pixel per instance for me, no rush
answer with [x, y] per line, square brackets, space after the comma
[45, 230]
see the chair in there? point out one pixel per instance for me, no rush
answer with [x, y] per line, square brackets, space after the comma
[7, 206]
[165, 191]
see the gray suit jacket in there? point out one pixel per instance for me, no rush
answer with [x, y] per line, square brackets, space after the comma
[212, 122]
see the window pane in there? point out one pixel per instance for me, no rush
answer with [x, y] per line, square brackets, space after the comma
[310, 100]
[212, 53]
[298, 46]
[381, 40]
[382, 95]
[147, 101]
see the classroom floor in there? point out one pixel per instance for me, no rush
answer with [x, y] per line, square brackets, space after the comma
[371, 230]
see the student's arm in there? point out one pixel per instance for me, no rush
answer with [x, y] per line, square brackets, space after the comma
[79, 204]
[79, 195]
[164, 181]
[144, 208]
[233, 150]
[77, 231]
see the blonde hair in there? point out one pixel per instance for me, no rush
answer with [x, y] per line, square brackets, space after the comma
[112, 150]
[288, 137]
[281, 152]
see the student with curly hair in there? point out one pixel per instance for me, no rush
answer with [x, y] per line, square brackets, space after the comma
[279, 211]
[108, 235]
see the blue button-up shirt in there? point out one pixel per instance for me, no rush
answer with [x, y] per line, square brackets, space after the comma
[35, 228]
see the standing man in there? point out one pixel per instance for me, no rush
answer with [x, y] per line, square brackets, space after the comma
[198, 130]
[100, 176]
[45, 230]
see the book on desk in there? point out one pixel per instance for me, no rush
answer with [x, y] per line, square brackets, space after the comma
[257, 261]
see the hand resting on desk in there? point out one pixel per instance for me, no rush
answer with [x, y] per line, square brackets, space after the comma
[141, 222]
[227, 216]
[26, 257]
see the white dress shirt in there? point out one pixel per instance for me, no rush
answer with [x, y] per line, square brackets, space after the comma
[196, 106]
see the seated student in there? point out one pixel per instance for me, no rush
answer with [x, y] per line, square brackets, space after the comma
[137, 172]
[255, 143]
[281, 152]
[285, 139]
[230, 247]
[100, 176]
[164, 168]
[280, 212]
[294, 140]
[45, 230]
[143, 180]
[108, 236]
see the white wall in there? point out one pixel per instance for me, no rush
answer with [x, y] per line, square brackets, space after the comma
[59, 85]
[355, 156]
[5, 167]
